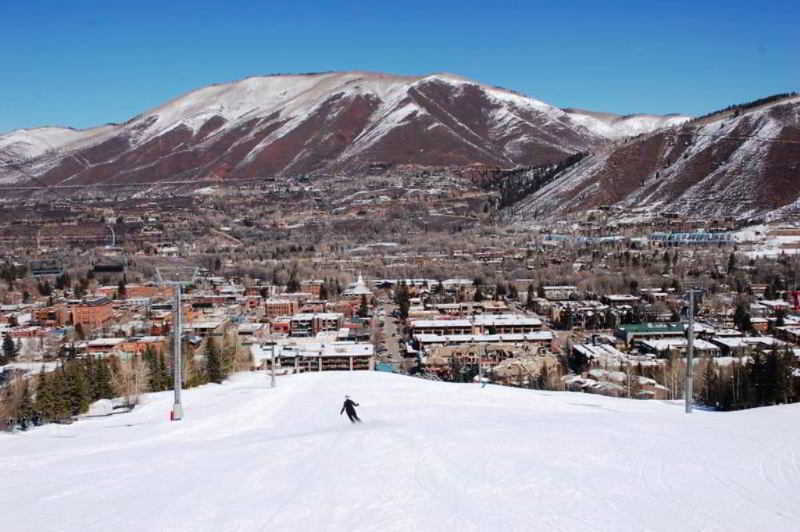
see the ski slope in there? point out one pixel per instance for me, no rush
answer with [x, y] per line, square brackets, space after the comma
[430, 456]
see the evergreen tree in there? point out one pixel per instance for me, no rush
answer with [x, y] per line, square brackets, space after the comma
[293, 285]
[213, 363]
[500, 290]
[164, 379]
[9, 350]
[478, 297]
[710, 384]
[402, 299]
[540, 290]
[102, 387]
[363, 309]
[741, 318]
[513, 293]
[77, 388]
[43, 402]
[731, 263]
[26, 410]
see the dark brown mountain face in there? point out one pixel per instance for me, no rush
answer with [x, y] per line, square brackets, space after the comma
[344, 123]
[737, 164]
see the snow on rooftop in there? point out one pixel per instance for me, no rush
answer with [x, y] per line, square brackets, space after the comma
[429, 456]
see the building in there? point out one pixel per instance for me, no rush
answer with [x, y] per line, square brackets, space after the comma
[314, 354]
[92, 313]
[427, 342]
[616, 300]
[312, 287]
[667, 346]
[480, 324]
[649, 331]
[55, 316]
[357, 290]
[559, 293]
[280, 307]
[310, 324]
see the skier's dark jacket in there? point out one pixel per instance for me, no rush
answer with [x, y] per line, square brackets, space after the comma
[348, 405]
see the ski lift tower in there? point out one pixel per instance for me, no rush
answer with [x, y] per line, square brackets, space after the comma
[178, 279]
[688, 394]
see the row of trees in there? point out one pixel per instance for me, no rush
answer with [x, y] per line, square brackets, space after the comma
[68, 391]
[77, 383]
[765, 379]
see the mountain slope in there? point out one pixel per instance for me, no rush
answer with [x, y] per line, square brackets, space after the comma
[733, 164]
[284, 125]
[429, 456]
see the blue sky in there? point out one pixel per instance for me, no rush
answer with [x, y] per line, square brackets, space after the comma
[85, 62]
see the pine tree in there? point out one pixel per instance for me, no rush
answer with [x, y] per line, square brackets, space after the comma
[213, 363]
[293, 285]
[78, 389]
[26, 410]
[9, 350]
[164, 379]
[710, 384]
[402, 298]
[741, 318]
[478, 297]
[731, 263]
[102, 387]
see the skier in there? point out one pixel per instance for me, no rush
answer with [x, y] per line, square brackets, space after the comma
[350, 407]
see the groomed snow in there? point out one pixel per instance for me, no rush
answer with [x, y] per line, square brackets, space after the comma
[430, 456]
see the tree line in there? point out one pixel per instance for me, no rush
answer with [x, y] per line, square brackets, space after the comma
[69, 390]
[766, 378]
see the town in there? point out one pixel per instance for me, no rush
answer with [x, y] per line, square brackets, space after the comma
[420, 275]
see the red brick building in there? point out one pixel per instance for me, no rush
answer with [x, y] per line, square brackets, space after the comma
[94, 313]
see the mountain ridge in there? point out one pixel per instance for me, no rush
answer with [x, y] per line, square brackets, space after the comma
[337, 122]
[743, 164]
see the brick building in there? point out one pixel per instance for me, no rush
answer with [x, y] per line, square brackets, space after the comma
[94, 313]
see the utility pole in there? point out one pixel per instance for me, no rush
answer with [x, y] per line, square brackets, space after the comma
[272, 367]
[480, 364]
[690, 355]
[177, 408]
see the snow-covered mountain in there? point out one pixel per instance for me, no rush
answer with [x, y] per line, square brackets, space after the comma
[740, 162]
[279, 125]
[429, 456]
[614, 126]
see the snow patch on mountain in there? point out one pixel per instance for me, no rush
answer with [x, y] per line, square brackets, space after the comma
[30, 143]
[614, 127]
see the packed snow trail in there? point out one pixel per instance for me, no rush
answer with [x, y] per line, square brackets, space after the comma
[429, 456]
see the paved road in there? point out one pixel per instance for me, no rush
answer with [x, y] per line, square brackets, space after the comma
[391, 334]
